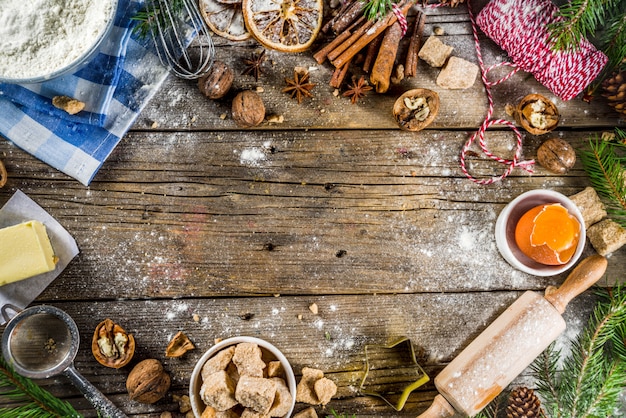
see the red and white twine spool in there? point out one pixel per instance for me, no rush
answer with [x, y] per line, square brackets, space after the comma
[519, 27]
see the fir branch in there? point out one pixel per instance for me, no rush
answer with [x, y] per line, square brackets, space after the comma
[35, 401]
[604, 162]
[376, 9]
[152, 17]
[545, 370]
[576, 20]
[595, 374]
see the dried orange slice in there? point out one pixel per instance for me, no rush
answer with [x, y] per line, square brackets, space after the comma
[548, 234]
[225, 18]
[283, 25]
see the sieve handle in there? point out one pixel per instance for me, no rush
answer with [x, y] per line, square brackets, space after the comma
[93, 395]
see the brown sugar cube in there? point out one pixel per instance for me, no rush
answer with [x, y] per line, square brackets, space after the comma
[218, 362]
[282, 400]
[457, 74]
[248, 360]
[325, 389]
[606, 236]
[70, 105]
[250, 413]
[590, 206]
[275, 369]
[435, 52]
[256, 393]
[210, 412]
[232, 372]
[306, 413]
[305, 391]
[218, 391]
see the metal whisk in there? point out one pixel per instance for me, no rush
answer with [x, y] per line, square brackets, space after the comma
[174, 24]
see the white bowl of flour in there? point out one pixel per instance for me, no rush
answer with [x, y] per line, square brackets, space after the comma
[44, 39]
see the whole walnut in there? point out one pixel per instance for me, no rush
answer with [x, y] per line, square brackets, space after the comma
[148, 382]
[556, 155]
[217, 82]
[248, 109]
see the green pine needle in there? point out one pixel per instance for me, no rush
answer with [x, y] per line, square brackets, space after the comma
[31, 400]
[591, 379]
[605, 162]
[151, 17]
[376, 9]
[602, 21]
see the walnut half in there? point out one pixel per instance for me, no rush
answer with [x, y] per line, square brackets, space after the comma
[111, 345]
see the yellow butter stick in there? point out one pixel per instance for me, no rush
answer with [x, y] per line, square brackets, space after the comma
[25, 251]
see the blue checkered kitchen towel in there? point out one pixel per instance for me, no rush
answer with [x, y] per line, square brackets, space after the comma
[116, 86]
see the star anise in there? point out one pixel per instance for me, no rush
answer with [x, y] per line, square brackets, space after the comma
[357, 89]
[254, 65]
[299, 87]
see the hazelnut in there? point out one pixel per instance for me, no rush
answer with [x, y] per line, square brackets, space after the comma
[556, 155]
[217, 82]
[248, 109]
[3, 175]
[179, 345]
[111, 345]
[148, 382]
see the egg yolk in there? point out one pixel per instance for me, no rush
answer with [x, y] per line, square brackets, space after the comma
[548, 234]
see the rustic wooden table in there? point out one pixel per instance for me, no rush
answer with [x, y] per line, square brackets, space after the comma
[196, 225]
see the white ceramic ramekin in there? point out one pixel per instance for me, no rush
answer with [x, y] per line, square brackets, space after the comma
[507, 221]
[196, 376]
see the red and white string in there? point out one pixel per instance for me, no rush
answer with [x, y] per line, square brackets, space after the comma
[488, 122]
[401, 18]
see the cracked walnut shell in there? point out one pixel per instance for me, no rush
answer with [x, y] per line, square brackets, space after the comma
[416, 109]
[179, 345]
[537, 114]
[111, 345]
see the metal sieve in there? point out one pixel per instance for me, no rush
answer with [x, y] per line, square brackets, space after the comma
[42, 341]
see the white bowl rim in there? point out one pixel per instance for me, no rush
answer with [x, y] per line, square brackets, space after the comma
[541, 196]
[75, 65]
[196, 373]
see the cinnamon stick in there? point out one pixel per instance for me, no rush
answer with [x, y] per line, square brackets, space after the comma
[372, 51]
[376, 29]
[355, 37]
[328, 25]
[410, 65]
[320, 56]
[339, 75]
[381, 72]
[352, 13]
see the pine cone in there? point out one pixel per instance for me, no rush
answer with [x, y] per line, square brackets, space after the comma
[614, 89]
[523, 403]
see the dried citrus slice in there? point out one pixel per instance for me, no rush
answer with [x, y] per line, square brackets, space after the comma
[284, 25]
[225, 18]
[548, 234]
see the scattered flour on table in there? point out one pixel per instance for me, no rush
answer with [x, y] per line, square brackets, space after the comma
[43, 36]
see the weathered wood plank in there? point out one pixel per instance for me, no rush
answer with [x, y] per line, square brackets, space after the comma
[439, 325]
[188, 214]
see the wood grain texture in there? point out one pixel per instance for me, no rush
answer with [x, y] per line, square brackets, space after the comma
[191, 215]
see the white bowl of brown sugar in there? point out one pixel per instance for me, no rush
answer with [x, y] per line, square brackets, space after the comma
[243, 376]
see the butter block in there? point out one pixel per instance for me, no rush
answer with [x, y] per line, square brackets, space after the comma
[25, 251]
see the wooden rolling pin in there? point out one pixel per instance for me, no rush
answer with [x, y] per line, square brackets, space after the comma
[511, 343]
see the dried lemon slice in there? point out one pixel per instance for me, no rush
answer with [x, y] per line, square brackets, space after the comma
[284, 25]
[225, 18]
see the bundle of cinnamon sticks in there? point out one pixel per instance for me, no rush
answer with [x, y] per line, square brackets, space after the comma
[379, 39]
